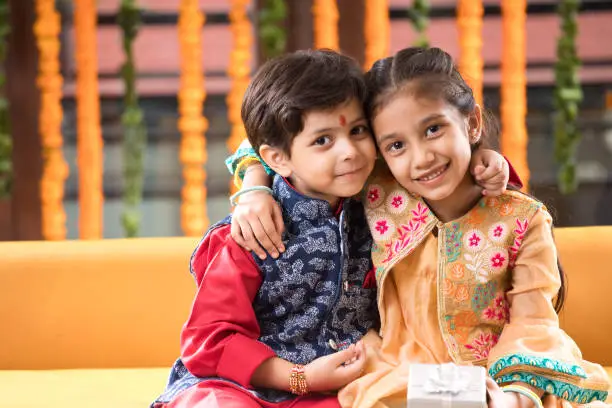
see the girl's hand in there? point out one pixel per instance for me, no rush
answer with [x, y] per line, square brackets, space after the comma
[491, 171]
[257, 224]
[332, 372]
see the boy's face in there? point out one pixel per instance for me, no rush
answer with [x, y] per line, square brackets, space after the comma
[333, 155]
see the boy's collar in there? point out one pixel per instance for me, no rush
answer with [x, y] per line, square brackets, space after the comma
[301, 207]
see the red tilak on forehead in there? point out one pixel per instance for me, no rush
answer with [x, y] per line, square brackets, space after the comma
[342, 120]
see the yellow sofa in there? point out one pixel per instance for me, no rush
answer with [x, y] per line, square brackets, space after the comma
[96, 323]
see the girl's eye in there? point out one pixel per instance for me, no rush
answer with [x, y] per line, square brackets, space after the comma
[433, 130]
[323, 140]
[358, 130]
[395, 146]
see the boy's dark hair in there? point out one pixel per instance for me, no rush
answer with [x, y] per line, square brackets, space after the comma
[286, 88]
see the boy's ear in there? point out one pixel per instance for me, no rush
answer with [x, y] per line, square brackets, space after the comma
[475, 125]
[276, 159]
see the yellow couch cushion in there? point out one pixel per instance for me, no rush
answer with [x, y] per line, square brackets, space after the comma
[120, 388]
[113, 303]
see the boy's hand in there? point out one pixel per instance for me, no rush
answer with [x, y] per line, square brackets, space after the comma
[491, 171]
[257, 224]
[499, 399]
[332, 372]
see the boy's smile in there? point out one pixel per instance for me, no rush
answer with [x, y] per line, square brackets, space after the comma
[332, 156]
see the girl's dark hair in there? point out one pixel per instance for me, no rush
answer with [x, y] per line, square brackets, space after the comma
[424, 72]
[431, 73]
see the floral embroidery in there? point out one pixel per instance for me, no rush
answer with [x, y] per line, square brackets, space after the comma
[499, 311]
[407, 233]
[397, 202]
[506, 209]
[457, 271]
[520, 230]
[498, 232]
[374, 196]
[482, 345]
[496, 262]
[448, 288]
[382, 228]
[483, 295]
[474, 240]
[462, 293]
[453, 242]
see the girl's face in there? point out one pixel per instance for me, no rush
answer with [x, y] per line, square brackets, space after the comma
[426, 144]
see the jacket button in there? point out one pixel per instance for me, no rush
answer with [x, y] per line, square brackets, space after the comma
[333, 344]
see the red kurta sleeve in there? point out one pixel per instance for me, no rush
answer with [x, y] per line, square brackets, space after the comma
[220, 336]
[514, 178]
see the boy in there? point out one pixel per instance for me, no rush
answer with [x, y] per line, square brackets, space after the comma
[282, 332]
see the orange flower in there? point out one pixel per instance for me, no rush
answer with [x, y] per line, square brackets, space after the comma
[469, 23]
[89, 133]
[377, 31]
[462, 294]
[325, 18]
[192, 124]
[475, 218]
[506, 209]
[448, 288]
[457, 271]
[49, 81]
[513, 108]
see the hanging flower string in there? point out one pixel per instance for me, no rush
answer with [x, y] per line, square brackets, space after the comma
[567, 97]
[191, 123]
[325, 17]
[469, 24]
[89, 136]
[134, 129]
[55, 170]
[419, 17]
[239, 71]
[513, 107]
[6, 143]
[377, 31]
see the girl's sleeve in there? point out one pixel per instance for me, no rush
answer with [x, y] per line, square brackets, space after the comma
[241, 159]
[532, 348]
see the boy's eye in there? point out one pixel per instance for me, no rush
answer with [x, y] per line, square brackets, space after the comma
[358, 130]
[432, 130]
[323, 140]
[395, 146]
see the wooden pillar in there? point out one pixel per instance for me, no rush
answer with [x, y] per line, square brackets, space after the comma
[23, 97]
[350, 28]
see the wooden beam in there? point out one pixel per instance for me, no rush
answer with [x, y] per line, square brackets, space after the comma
[23, 97]
[350, 28]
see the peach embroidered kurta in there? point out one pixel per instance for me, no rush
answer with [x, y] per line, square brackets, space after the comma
[480, 292]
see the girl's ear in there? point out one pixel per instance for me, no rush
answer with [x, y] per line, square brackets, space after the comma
[475, 125]
[276, 159]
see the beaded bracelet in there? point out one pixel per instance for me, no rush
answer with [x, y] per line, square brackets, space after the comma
[248, 190]
[297, 380]
[537, 401]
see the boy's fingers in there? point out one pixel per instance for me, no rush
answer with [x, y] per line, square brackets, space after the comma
[490, 171]
[478, 170]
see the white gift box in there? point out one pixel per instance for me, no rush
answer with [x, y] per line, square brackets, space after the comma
[446, 386]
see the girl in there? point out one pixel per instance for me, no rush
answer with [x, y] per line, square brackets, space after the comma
[461, 278]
